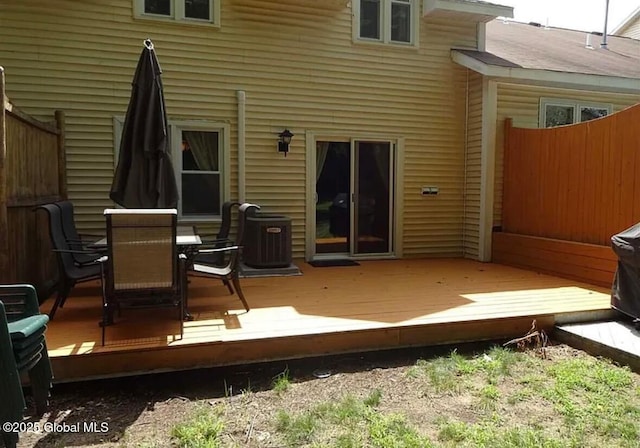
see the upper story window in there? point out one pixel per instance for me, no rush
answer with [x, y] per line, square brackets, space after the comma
[192, 11]
[387, 21]
[558, 112]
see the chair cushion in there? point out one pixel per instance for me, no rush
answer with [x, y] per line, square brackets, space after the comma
[24, 328]
[211, 270]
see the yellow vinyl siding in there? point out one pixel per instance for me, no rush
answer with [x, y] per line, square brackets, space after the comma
[521, 103]
[632, 29]
[300, 69]
[473, 166]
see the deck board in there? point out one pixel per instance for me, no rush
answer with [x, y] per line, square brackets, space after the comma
[378, 304]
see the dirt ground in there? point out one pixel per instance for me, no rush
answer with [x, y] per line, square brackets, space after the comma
[141, 411]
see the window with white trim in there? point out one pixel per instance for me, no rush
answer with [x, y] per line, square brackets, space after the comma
[558, 112]
[200, 156]
[386, 21]
[192, 11]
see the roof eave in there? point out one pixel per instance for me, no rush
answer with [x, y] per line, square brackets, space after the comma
[548, 77]
[483, 12]
[622, 26]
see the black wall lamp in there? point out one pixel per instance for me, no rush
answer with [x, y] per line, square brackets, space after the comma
[285, 140]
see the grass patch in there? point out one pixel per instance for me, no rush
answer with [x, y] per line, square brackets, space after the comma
[203, 430]
[488, 397]
[297, 430]
[490, 435]
[451, 373]
[350, 422]
[593, 400]
[597, 398]
[282, 382]
[498, 398]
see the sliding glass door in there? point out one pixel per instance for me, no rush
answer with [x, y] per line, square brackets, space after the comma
[354, 197]
[372, 199]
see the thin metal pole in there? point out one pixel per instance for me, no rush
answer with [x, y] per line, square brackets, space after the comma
[606, 20]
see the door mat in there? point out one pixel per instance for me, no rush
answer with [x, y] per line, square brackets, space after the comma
[330, 263]
[248, 271]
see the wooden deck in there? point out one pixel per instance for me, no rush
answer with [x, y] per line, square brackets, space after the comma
[377, 305]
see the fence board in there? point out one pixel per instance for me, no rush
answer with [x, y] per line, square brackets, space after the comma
[30, 169]
[588, 263]
[576, 183]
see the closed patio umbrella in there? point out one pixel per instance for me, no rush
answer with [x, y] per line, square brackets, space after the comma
[144, 177]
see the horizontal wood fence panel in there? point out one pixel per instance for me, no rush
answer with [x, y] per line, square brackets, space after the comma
[576, 183]
[580, 261]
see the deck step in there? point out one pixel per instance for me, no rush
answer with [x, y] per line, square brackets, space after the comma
[617, 339]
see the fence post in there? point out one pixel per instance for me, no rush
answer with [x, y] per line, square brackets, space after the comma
[62, 156]
[4, 230]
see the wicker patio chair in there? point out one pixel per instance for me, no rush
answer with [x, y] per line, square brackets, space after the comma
[142, 266]
[22, 350]
[69, 271]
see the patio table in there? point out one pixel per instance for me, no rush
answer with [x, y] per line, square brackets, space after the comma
[186, 240]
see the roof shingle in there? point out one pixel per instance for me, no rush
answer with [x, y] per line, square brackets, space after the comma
[557, 49]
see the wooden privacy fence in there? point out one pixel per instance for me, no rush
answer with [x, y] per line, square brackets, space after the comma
[577, 183]
[32, 172]
[567, 190]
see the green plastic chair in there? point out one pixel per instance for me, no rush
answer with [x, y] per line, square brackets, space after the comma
[22, 350]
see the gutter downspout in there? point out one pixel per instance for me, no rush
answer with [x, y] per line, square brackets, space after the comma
[242, 101]
[466, 155]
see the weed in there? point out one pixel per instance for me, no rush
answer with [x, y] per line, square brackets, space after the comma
[203, 430]
[374, 398]
[282, 381]
[444, 375]
[297, 430]
[393, 431]
[348, 440]
[489, 396]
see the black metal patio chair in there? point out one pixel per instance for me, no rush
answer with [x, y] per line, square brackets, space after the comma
[77, 242]
[69, 271]
[208, 261]
[228, 273]
[23, 349]
[221, 238]
[142, 267]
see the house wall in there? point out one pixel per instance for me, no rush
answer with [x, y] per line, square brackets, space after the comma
[522, 102]
[300, 69]
[473, 166]
[631, 29]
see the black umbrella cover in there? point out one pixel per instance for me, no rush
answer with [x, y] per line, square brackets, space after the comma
[144, 177]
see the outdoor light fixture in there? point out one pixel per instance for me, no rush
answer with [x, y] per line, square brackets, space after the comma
[285, 140]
